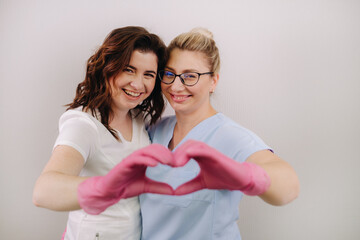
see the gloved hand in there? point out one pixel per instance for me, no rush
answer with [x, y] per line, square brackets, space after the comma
[127, 179]
[219, 171]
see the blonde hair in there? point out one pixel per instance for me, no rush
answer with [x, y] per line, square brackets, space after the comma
[199, 40]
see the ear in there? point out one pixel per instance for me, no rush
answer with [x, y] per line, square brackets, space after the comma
[214, 82]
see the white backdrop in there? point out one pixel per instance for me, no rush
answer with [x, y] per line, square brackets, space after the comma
[290, 72]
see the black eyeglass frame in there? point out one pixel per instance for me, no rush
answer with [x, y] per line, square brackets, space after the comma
[181, 79]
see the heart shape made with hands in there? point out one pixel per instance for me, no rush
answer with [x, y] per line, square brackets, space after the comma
[128, 178]
[218, 171]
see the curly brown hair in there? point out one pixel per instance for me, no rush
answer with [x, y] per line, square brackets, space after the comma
[94, 93]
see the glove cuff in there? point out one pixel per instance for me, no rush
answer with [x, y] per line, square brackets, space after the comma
[92, 198]
[259, 182]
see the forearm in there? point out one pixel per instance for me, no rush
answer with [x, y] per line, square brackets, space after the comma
[284, 183]
[57, 191]
[284, 186]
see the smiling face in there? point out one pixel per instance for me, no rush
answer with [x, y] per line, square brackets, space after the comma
[189, 99]
[135, 82]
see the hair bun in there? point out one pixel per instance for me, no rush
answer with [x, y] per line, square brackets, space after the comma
[203, 31]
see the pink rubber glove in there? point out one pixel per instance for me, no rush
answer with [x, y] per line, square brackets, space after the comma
[63, 235]
[219, 171]
[127, 179]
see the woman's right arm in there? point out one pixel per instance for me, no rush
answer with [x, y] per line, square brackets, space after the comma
[56, 188]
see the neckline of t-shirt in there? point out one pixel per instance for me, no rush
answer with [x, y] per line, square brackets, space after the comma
[123, 140]
[133, 125]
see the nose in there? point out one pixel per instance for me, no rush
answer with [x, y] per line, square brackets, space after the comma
[137, 82]
[177, 85]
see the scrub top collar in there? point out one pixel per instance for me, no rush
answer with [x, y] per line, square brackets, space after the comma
[198, 130]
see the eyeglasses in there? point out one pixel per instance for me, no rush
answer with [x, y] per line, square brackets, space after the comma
[188, 79]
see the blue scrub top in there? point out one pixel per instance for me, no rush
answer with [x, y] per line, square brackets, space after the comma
[205, 214]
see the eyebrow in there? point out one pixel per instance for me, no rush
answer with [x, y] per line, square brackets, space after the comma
[132, 67]
[185, 71]
[150, 71]
[129, 66]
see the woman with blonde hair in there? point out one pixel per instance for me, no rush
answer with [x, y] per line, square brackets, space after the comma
[220, 159]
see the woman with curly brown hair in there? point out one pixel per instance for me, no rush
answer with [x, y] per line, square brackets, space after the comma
[92, 168]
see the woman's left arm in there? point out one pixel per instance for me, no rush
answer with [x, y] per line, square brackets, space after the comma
[284, 186]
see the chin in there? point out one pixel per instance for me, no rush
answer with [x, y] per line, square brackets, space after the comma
[179, 109]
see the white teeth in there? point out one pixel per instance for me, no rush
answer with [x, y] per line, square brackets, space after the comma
[179, 97]
[134, 94]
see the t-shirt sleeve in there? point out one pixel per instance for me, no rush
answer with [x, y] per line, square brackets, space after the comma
[77, 130]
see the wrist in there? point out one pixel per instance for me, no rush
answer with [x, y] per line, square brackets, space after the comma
[94, 197]
[259, 181]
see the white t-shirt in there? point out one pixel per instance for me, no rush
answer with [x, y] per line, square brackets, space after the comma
[101, 152]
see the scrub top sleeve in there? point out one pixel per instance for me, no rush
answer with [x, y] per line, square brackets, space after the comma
[78, 132]
[251, 146]
[150, 130]
[161, 129]
[240, 142]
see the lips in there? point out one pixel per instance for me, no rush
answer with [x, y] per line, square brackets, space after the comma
[132, 94]
[179, 98]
